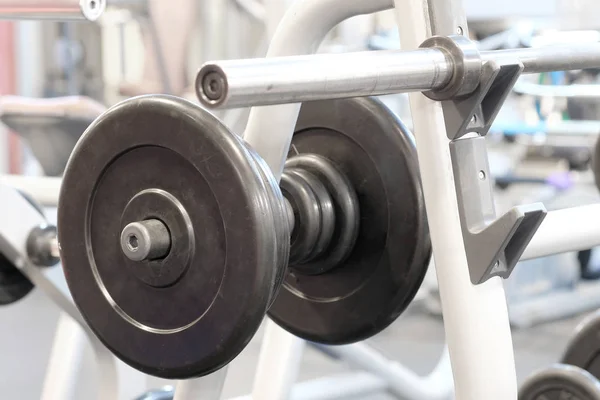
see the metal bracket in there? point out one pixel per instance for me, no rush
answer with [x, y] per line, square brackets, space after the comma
[473, 96]
[493, 246]
[477, 111]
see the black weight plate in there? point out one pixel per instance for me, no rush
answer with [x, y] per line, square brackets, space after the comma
[13, 284]
[192, 312]
[380, 277]
[279, 214]
[583, 349]
[560, 382]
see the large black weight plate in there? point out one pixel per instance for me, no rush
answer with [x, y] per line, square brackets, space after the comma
[583, 349]
[13, 284]
[192, 312]
[382, 274]
[560, 382]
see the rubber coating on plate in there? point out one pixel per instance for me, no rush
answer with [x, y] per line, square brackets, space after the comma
[345, 207]
[560, 382]
[583, 349]
[213, 299]
[378, 280]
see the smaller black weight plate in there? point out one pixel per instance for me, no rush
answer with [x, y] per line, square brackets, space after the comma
[583, 349]
[192, 312]
[13, 284]
[281, 246]
[560, 382]
[378, 280]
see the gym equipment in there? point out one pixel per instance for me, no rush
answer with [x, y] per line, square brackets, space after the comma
[583, 349]
[217, 238]
[335, 302]
[214, 256]
[271, 136]
[43, 251]
[20, 227]
[13, 284]
[475, 85]
[51, 127]
[559, 382]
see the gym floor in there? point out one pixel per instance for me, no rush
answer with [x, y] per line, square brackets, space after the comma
[415, 339]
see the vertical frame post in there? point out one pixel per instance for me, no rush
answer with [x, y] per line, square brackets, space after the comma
[475, 316]
[206, 388]
[65, 360]
[278, 364]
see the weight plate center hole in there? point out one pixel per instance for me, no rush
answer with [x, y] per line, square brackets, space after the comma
[133, 243]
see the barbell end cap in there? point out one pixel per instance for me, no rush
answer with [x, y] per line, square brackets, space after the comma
[211, 86]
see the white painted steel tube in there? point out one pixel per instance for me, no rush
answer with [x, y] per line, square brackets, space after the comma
[52, 9]
[589, 91]
[44, 190]
[353, 385]
[65, 360]
[571, 229]
[401, 381]
[206, 388]
[475, 316]
[278, 364]
[550, 58]
[18, 218]
[301, 31]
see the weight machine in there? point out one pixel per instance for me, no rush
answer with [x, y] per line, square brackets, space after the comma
[471, 343]
[464, 89]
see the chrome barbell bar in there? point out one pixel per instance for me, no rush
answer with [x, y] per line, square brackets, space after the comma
[294, 79]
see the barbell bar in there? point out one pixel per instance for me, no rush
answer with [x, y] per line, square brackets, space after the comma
[294, 79]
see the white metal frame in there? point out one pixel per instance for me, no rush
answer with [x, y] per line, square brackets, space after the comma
[475, 316]
[18, 219]
[65, 360]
